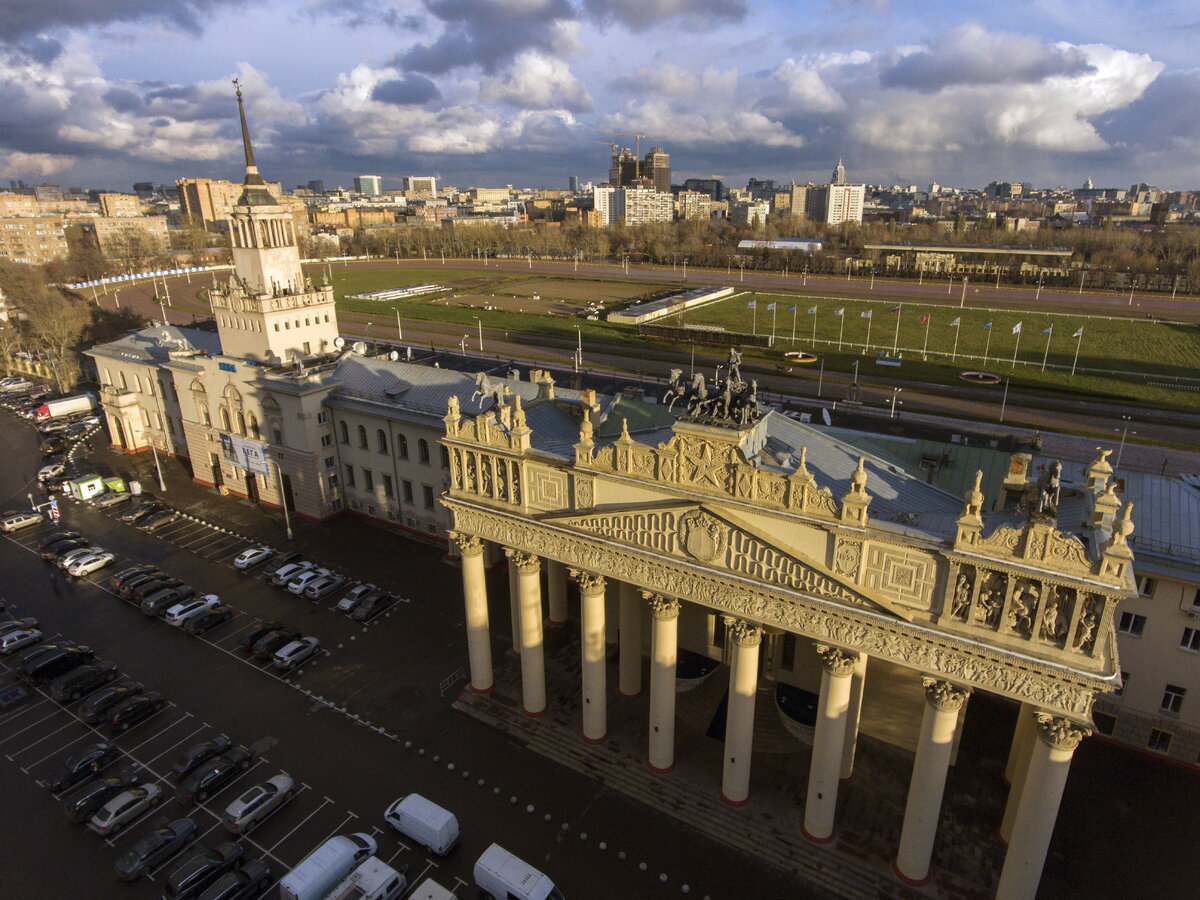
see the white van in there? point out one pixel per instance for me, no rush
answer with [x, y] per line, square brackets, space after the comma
[430, 890]
[425, 822]
[505, 877]
[318, 872]
[373, 879]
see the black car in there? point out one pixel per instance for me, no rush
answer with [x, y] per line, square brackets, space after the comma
[144, 590]
[85, 802]
[207, 621]
[84, 764]
[214, 775]
[58, 536]
[259, 633]
[372, 605]
[53, 550]
[155, 849]
[94, 708]
[128, 585]
[157, 519]
[160, 601]
[56, 483]
[128, 713]
[31, 655]
[132, 572]
[266, 646]
[53, 444]
[199, 753]
[278, 563]
[57, 662]
[142, 510]
[248, 881]
[78, 681]
[197, 873]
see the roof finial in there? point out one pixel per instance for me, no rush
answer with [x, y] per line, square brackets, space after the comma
[252, 176]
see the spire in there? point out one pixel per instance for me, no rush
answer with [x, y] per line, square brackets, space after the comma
[839, 173]
[255, 193]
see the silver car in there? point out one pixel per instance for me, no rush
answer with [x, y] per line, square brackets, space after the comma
[12, 641]
[258, 803]
[124, 808]
[354, 596]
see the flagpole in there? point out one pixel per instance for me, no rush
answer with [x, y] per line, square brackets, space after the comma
[987, 346]
[1046, 355]
[870, 319]
[773, 313]
[754, 320]
[925, 348]
[841, 330]
[963, 301]
[1078, 343]
[896, 339]
[957, 332]
[795, 312]
[1016, 347]
[814, 337]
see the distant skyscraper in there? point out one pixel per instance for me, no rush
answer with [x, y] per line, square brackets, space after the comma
[836, 202]
[657, 168]
[317, 186]
[573, 184]
[420, 184]
[368, 185]
[839, 174]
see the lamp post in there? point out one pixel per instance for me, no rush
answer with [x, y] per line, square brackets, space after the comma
[895, 393]
[480, 324]
[1124, 434]
[287, 519]
[463, 345]
[578, 348]
[162, 485]
[368, 336]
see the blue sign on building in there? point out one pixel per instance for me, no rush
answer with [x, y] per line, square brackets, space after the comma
[227, 367]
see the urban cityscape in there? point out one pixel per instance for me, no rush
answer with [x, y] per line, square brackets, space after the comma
[429, 478]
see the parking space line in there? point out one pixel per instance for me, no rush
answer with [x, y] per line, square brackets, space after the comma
[27, 727]
[325, 803]
[177, 743]
[336, 830]
[38, 762]
[204, 534]
[129, 826]
[20, 712]
[185, 717]
[38, 741]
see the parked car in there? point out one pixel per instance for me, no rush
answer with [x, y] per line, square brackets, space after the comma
[155, 849]
[213, 775]
[304, 579]
[52, 550]
[278, 562]
[209, 619]
[323, 587]
[57, 483]
[296, 653]
[11, 624]
[129, 712]
[124, 575]
[372, 605]
[199, 753]
[92, 562]
[55, 466]
[354, 596]
[249, 640]
[15, 521]
[96, 707]
[159, 601]
[78, 681]
[159, 583]
[248, 881]
[129, 585]
[111, 498]
[181, 612]
[54, 443]
[17, 384]
[83, 764]
[248, 559]
[85, 802]
[68, 559]
[286, 573]
[143, 507]
[124, 808]
[266, 646]
[254, 806]
[12, 641]
[157, 520]
[31, 655]
[201, 870]
[56, 662]
[57, 536]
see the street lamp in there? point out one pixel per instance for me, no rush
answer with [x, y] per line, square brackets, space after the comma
[480, 324]
[463, 345]
[578, 348]
[369, 324]
[1125, 432]
[895, 393]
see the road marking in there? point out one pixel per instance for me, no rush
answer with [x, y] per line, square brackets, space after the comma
[177, 743]
[38, 741]
[27, 727]
[336, 830]
[38, 762]
[14, 715]
[185, 717]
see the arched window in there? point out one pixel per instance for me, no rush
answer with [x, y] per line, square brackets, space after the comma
[205, 417]
[124, 382]
[254, 432]
[345, 433]
[445, 456]
[225, 425]
[107, 377]
[381, 439]
[362, 437]
[241, 423]
[423, 450]
[402, 446]
[142, 388]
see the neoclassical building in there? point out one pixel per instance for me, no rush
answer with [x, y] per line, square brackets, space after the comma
[768, 544]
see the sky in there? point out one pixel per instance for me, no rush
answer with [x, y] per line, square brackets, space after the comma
[103, 93]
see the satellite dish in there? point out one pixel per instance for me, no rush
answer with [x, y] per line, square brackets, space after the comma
[339, 342]
[825, 416]
[360, 348]
[393, 356]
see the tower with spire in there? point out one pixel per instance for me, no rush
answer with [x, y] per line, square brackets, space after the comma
[839, 173]
[269, 311]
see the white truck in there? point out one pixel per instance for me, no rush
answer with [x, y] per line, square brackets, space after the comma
[431, 890]
[318, 872]
[503, 876]
[65, 406]
[432, 827]
[373, 879]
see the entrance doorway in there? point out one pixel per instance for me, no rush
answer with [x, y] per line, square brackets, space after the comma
[252, 487]
[118, 433]
[288, 500]
[218, 477]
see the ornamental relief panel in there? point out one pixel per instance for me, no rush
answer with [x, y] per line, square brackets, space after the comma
[547, 488]
[906, 576]
[1039, 544]
[964, 660]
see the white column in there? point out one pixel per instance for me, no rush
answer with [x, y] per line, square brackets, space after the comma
[739, 721]
[1024, 737]
[556, 592]
[665, 653]
[853, 714]
[591, 651]
[943, 700]
[533, 669]
[1041, 793]
[825, 769]
[479, 636]
[630, 642]
[514, 605]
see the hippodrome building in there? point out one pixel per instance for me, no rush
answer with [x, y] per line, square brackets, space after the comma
[740, 535]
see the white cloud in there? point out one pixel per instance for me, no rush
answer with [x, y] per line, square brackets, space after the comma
[34, 165]
[537, 81]
[670, 125]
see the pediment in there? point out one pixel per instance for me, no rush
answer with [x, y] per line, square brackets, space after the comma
[709, 536]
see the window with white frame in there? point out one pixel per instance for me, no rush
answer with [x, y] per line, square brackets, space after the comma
[1190, 640]
[1131, 623]
[1146, 585]
[1172, 699]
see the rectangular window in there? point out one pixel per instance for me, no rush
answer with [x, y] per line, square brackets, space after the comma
[276, 326]
[1172, 699]
[445, 457]
[408, 494]
[350, 476]
[333, 482]
[427, 496]
[330, 462]
[327, 440]
[1131, 624]
[276, 436]
[368, 480]
[1196, 599]
[1190, 640]
[1146, 586]
[323, 417]
[1159, 740]
[387, 486]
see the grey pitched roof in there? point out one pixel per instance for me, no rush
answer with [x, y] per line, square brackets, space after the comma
[155, 343]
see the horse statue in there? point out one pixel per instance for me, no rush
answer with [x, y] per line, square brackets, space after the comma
[676, 389]
[485, 387]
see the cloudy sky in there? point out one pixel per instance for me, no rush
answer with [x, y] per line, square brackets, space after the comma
[489, 92]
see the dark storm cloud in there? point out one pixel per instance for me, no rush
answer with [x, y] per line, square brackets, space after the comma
[407, 91]
[23, 17]
[123, 100]
[490, 33]
[639, 15]
[39, 48]
[1159, 113]
[969, 55]
[189, 103]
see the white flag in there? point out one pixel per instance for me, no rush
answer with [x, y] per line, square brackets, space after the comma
[1017, 328]
[866, 315]
[956, 323]
[1077, 334]
[840, 312]
[812, 310]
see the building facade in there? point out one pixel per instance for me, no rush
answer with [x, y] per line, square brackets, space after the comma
[368, 185]
[34, 240]
[123, 236]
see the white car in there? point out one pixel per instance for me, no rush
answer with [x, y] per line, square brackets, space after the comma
[124, 808]
[291, 655]
[112, 498]
[90, 563]
[71, 557]
[290, 571]
[354, 596]
[51, 470]
[19, 520]
[180, 613]
[304, 579]
[12, 641]
[257, 803]
[247, 559]
[17, 384]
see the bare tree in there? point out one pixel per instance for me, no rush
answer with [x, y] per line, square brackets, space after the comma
[56, 324]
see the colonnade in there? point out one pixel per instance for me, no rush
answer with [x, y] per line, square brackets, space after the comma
[1037, 767]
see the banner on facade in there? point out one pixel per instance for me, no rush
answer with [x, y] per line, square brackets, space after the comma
[246, 454]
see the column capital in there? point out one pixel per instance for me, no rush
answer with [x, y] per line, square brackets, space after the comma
[1060, 732]
[839, 662]
[468, 544]
[525, 562]
[746, 634]
[943, 694]
[664, 608]
[589, 582]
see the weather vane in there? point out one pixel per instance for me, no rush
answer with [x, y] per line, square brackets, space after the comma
[237, 83]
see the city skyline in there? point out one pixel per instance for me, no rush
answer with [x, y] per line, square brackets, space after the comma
[519, 91]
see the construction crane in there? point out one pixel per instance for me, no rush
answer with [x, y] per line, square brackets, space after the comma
[637, 150]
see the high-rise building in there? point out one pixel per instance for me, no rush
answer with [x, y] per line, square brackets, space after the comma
[657, 168]
[573, 184]
[123, 236]
[209, 202]
[32, 239]
[317, 186]
[368, 185]
[645, 205]
[836, 202]
[609, 204]
[839, 173]
[112, 205]
[714, 187]
[424, 185]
